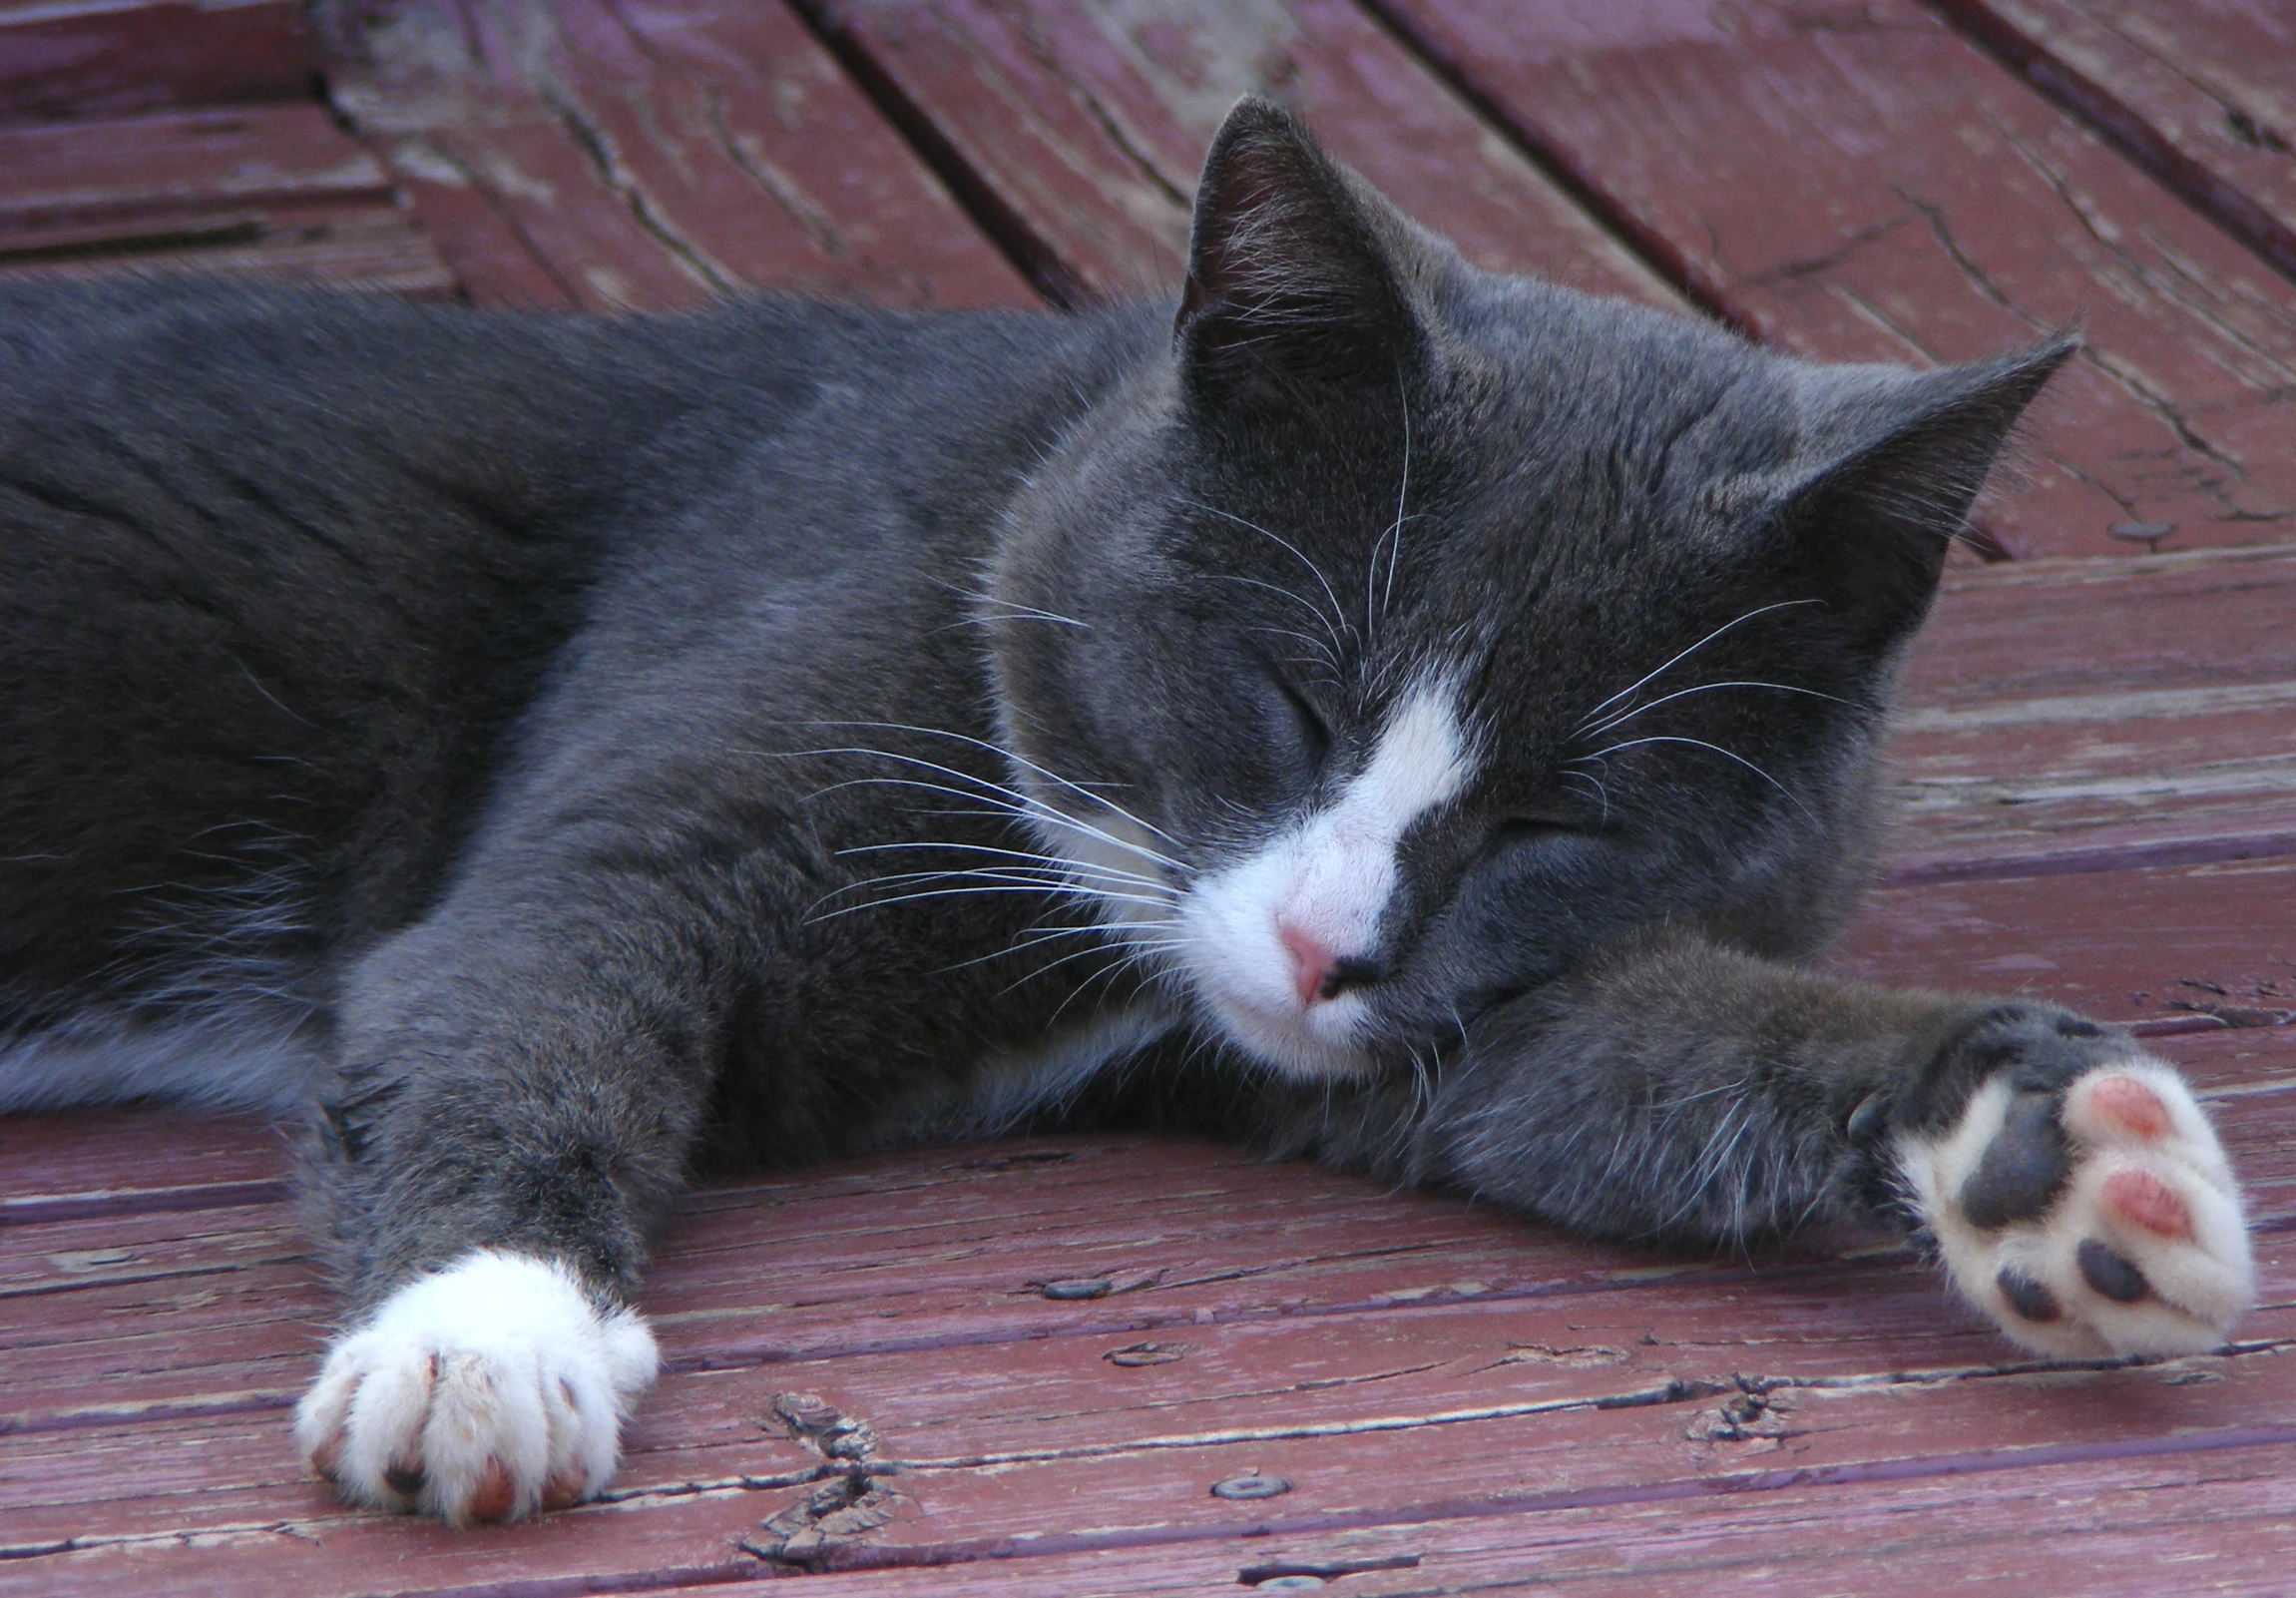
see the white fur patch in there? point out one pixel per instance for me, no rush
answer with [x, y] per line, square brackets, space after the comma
[2200, 1284]
[478, 1392]
[1329, 878]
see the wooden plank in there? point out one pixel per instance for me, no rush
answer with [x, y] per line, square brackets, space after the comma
[213, 1501]
[106, 57]
[934, 1251]
[2219, 1518]
[1372, 1420]
[2097, 1529]
[74, 1154]
[654, 155]
[178, 164]
[2202, 94]
[2123, 945]
[2084, 715]
[1854, 179]
[1083, 125]
[274, 190]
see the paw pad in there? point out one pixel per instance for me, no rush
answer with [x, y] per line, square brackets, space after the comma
[2129, 1105]
[2025, 1295]
[2110, 1274]
[2142, 1199]
[2087, 1211]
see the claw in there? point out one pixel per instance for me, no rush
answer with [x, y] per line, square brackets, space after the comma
[495, 1495]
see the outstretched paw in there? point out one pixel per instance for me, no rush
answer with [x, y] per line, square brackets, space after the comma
[484, 1392]
[2082, 1201]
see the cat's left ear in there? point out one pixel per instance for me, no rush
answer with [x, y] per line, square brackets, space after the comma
[1893, 462]
[1298, 268]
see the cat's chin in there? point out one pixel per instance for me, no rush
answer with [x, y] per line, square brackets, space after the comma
[1290, 1045]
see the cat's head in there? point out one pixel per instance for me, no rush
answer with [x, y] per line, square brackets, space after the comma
[1422, 629]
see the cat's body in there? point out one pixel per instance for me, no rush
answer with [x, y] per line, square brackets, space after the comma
[1406, 715]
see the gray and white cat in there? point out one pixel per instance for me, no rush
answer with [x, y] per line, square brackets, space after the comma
[1398, 714]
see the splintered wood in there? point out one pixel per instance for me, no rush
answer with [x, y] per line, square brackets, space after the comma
[1138, 1365]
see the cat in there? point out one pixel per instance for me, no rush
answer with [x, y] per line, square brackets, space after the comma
[1400, 715]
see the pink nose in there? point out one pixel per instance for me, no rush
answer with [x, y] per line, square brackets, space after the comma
[1314, 965]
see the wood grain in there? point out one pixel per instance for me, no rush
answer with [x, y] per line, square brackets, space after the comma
[1855, 181]
[1553, 1414]
[653, 154]
[2066, 716]
[270, 189]
[2200, 92]
[105, 57]
[1083, 126]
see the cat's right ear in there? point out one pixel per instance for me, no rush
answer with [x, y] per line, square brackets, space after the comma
[1296, 267]
[1897, 459]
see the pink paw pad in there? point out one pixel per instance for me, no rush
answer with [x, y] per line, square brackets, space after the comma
[2131, 1105]
[2142, 1199]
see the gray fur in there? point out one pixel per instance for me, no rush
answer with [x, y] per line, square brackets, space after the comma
[609, 745]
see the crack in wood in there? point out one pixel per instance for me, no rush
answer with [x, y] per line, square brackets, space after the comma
[594, 141]
[848, 1499]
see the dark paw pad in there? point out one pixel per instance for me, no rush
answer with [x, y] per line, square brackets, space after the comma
[2025, 1295]
[2112, 1275]
[2022, 1169]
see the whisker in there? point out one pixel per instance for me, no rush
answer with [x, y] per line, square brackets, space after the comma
[1626, 716]
[1314, 571]
[1699, 742]
[1636, 686]
[1020, 761]
[1402, 499]
[1055, 862]
[1011, 803]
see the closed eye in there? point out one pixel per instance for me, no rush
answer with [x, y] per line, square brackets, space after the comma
[1517, 830]
[1314, 731]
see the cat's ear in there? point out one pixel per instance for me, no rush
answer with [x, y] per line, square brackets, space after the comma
[1891, 468]
[1297, 269]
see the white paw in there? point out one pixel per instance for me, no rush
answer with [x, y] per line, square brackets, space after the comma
[480, 1392]
[2095, 1219]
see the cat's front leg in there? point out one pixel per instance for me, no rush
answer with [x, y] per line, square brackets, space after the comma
[2074, 1188]
[520, 1089]
[1678, 1092]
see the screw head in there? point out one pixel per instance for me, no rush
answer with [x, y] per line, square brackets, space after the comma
[1249, 1487]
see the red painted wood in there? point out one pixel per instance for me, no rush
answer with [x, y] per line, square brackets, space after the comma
[272, 190]
[933, 1254]
[179, 163]
[1472, 1410]
[101, 59]
[106, 1151]
[2081, 715]
[1854, 179]
[2201, 92]
[2121, 944]
[2219, 1526]
[652, 154]
[1085, 125]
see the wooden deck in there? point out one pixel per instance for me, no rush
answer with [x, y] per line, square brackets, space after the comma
[1129, 1366]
